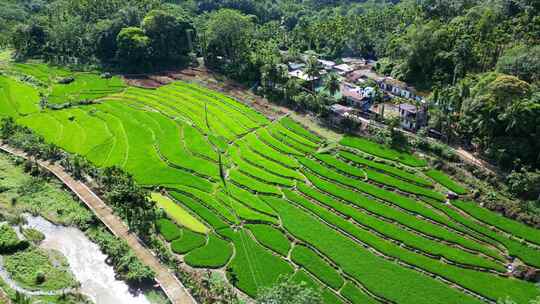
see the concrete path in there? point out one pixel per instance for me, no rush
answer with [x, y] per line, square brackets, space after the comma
[174, 289]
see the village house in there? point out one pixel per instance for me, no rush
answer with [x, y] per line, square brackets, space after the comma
[360, 98]
[295, 66]
[343, 69]
[339, 113]
[327, 64]
[397, 88]
[300, 74]
[413, 117]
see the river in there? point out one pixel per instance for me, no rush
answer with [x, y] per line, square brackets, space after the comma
[87, 263]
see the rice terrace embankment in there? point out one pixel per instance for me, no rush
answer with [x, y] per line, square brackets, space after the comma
[362, 222]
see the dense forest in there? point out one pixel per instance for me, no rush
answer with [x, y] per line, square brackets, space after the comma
[479, 60]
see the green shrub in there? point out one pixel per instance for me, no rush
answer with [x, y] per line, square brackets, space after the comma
[9, 241]
[33, 235]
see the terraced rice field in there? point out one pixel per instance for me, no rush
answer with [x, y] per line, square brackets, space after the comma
[361, 222]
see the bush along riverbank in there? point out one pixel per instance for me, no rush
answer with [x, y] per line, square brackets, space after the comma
[24, 189]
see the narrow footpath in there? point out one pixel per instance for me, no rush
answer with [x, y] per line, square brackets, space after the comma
[172, 287]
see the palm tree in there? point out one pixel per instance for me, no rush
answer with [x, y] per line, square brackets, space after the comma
[292, 87]
[313, 70]
[332, 83]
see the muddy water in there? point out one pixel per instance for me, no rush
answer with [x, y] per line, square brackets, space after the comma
[87, 263]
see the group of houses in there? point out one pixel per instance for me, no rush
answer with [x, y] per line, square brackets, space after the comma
[358, 91]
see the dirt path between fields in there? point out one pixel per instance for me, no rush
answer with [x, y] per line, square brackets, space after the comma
[172, 287]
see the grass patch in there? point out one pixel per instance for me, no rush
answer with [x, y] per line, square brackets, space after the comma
[388, 169]
[36, 269]
[513, 227]
[294, 126]
[271, 237]
[355, 295]
[446, 181]
[189, 241]
[253, 266]
[381, 151]
[178, 214]
[169, 230]
[311, 261]
[205, 213]
[9, 241]
[215, 254]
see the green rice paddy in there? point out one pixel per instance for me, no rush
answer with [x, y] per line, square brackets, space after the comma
[362, 222]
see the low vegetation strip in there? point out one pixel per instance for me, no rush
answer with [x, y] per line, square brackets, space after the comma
[242, 211]
[251, 183]
[294, 126]
[291, 142]
[403, 218]
[402, 185]
[178, 214]
[375, 149]
[270, 237]
[402, 285]
[388, 230]
[353, 294]
[341, 166]
[377, 192]
[527, 254]
[510, 226]
[267, 138]
[385, 168]
[294, 136]
[379, 178]
[328, 296]
[482, 283]
[260, 173]
[446, 181]
[250, 200]
[311, 261]
[266, 151]
[207, 199]
[201, 210]
[272, 166]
